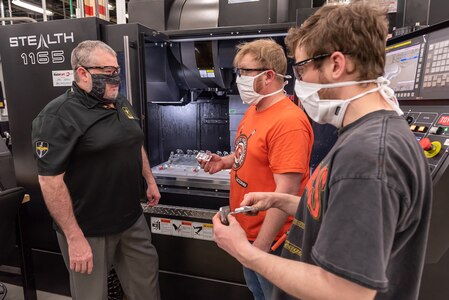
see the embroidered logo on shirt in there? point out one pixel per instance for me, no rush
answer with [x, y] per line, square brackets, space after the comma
[41, 148]
[240, 151]
[128, 113]
[315, 190]
[241, 147]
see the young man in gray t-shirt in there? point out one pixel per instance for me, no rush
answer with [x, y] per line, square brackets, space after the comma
[361, 225]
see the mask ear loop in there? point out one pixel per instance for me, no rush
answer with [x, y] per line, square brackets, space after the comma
[285, 82]
[286, 76]
[388, 94]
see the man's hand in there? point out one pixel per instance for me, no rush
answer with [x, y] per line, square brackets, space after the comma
[153, 195]
[214, 165]
[230, 238]
[80, 255]
[259, 201]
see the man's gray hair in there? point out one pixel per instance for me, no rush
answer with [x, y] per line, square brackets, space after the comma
[82, 54]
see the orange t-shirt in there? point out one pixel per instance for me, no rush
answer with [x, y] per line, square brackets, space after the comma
[276, 140]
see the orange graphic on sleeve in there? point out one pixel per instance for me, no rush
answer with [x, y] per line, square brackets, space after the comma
[315, 190]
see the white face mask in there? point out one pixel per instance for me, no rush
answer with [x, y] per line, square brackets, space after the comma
[245, 84]
[330, 111]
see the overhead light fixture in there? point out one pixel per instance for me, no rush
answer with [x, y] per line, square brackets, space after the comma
[31, 7]
[111, 7]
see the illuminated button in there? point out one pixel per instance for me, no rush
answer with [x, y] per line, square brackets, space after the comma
[422, 129]
[436, 130]
[413, 127]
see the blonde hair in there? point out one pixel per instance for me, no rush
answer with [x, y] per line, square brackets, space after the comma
[267, 53]
[358, 29]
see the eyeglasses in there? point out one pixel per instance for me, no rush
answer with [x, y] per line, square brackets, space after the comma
[106, 69]
[298, 68]
[244, 71]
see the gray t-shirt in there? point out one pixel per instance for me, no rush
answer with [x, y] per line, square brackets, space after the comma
[365, 212]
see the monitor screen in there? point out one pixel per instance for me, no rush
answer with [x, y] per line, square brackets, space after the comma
[403, 67]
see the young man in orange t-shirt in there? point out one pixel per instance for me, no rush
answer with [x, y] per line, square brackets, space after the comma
[272, 147]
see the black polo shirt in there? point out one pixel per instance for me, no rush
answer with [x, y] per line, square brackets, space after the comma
[99, 149]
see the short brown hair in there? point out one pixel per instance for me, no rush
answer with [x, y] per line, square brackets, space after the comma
[359, 29]
[265, 51]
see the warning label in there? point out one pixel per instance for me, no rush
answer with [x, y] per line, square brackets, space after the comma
[182, 228]
[203, 231]
[62, 78]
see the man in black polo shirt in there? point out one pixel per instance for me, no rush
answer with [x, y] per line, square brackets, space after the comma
[91, 163]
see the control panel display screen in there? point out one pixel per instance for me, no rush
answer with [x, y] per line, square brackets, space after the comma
[403, 67]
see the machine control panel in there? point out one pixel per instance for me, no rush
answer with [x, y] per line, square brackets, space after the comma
[430, 124]
[418, 68]
[417, 65]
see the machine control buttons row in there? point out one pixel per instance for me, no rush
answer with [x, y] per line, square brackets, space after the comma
[405, 95]
[416, 128]
[436, 130]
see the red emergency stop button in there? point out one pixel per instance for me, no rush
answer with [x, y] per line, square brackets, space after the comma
[431, 149]
[426, 144]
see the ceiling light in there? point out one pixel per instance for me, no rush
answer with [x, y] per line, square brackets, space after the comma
[31, 7]
[111, 7]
